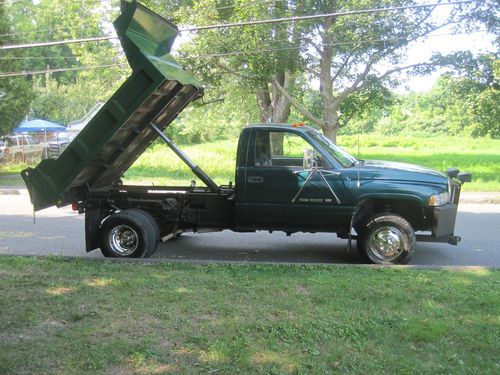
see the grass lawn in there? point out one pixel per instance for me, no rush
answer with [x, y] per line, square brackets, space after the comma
[79, 316]
[481, 157]
[10, 174]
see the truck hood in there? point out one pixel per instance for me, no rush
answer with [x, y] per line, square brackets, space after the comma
[400, 172]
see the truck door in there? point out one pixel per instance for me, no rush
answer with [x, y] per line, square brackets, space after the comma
[277, 194]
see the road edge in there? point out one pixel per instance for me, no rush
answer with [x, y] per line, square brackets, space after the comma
[149, 261]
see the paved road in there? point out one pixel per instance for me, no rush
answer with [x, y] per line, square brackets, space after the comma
[60, 232]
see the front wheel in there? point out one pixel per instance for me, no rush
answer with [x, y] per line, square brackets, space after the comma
[387, 239]
[129, 234]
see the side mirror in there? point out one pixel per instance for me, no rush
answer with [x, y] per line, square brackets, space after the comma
[452, 172]
[308, 159]
[464, 177]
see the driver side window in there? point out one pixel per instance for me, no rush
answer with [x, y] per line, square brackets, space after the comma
[279, 149]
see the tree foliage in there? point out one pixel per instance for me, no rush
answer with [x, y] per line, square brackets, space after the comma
[350, 55]
[15, 92]
[250, 56]
[477, 88]
[355, 58]
[66, 95]
[465, 102]
[337, 72]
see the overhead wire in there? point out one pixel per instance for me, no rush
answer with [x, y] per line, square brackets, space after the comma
[235, 53]
[59, 70]
[230, 53]
[246, 23]
[197, 10]
[323, 15]
[36, 31]
[220, 54]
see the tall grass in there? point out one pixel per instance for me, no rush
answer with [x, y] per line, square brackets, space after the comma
[160, 166]
[480, 156]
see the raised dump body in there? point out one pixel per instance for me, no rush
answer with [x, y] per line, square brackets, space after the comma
[155, 93]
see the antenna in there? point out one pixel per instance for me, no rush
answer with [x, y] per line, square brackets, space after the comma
[358, 139]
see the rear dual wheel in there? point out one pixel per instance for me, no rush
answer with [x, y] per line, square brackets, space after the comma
[129, 233]
[387, 239]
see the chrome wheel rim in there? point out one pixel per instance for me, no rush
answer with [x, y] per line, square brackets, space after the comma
[386, 243]
[123, 240]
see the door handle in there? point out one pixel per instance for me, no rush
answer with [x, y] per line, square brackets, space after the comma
[255, 179]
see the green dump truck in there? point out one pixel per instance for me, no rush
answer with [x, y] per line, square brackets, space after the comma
[303, 183]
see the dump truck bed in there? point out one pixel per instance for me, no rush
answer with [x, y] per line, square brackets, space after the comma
[156, 92]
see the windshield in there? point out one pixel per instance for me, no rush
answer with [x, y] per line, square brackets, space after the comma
[345, 159]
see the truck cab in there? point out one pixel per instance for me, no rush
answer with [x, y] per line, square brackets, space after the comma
[277, 189]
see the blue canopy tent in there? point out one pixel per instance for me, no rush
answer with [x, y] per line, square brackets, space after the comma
[39, 126]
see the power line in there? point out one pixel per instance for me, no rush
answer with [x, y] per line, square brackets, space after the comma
[246, 23]
[198, 10]
[211, 55]
[235, 53]
[323, 15]
[231, 53]
[58, 42]
[59, 70]
[35, 31]
[12, 1]
[39, 58]
[236, 5]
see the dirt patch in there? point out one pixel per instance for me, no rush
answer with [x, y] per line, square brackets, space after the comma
[40, 331]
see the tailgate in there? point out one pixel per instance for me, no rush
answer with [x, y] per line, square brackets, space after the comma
[156, 92]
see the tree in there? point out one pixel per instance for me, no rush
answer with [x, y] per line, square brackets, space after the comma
[249, 56]
[363, 53]
[257, 55]
[355, 58]
[15, 92]
[66, 95]
[476, 86]
[463, 101]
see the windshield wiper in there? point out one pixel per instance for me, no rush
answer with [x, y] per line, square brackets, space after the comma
[352, 164]
[356, 163]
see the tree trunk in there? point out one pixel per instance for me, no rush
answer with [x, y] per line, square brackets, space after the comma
[331, 132]
[264, 103]
[275, 107]
[330, 124]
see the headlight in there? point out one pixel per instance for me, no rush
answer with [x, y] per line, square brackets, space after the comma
[439, 199]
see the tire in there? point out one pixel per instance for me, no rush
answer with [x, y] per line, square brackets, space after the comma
[387, 239]
[151, 222]
[129, 233]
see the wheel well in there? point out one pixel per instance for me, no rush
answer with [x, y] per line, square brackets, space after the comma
[409, 210]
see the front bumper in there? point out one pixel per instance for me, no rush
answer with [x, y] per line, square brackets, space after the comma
[444, 218]
[443, 225]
